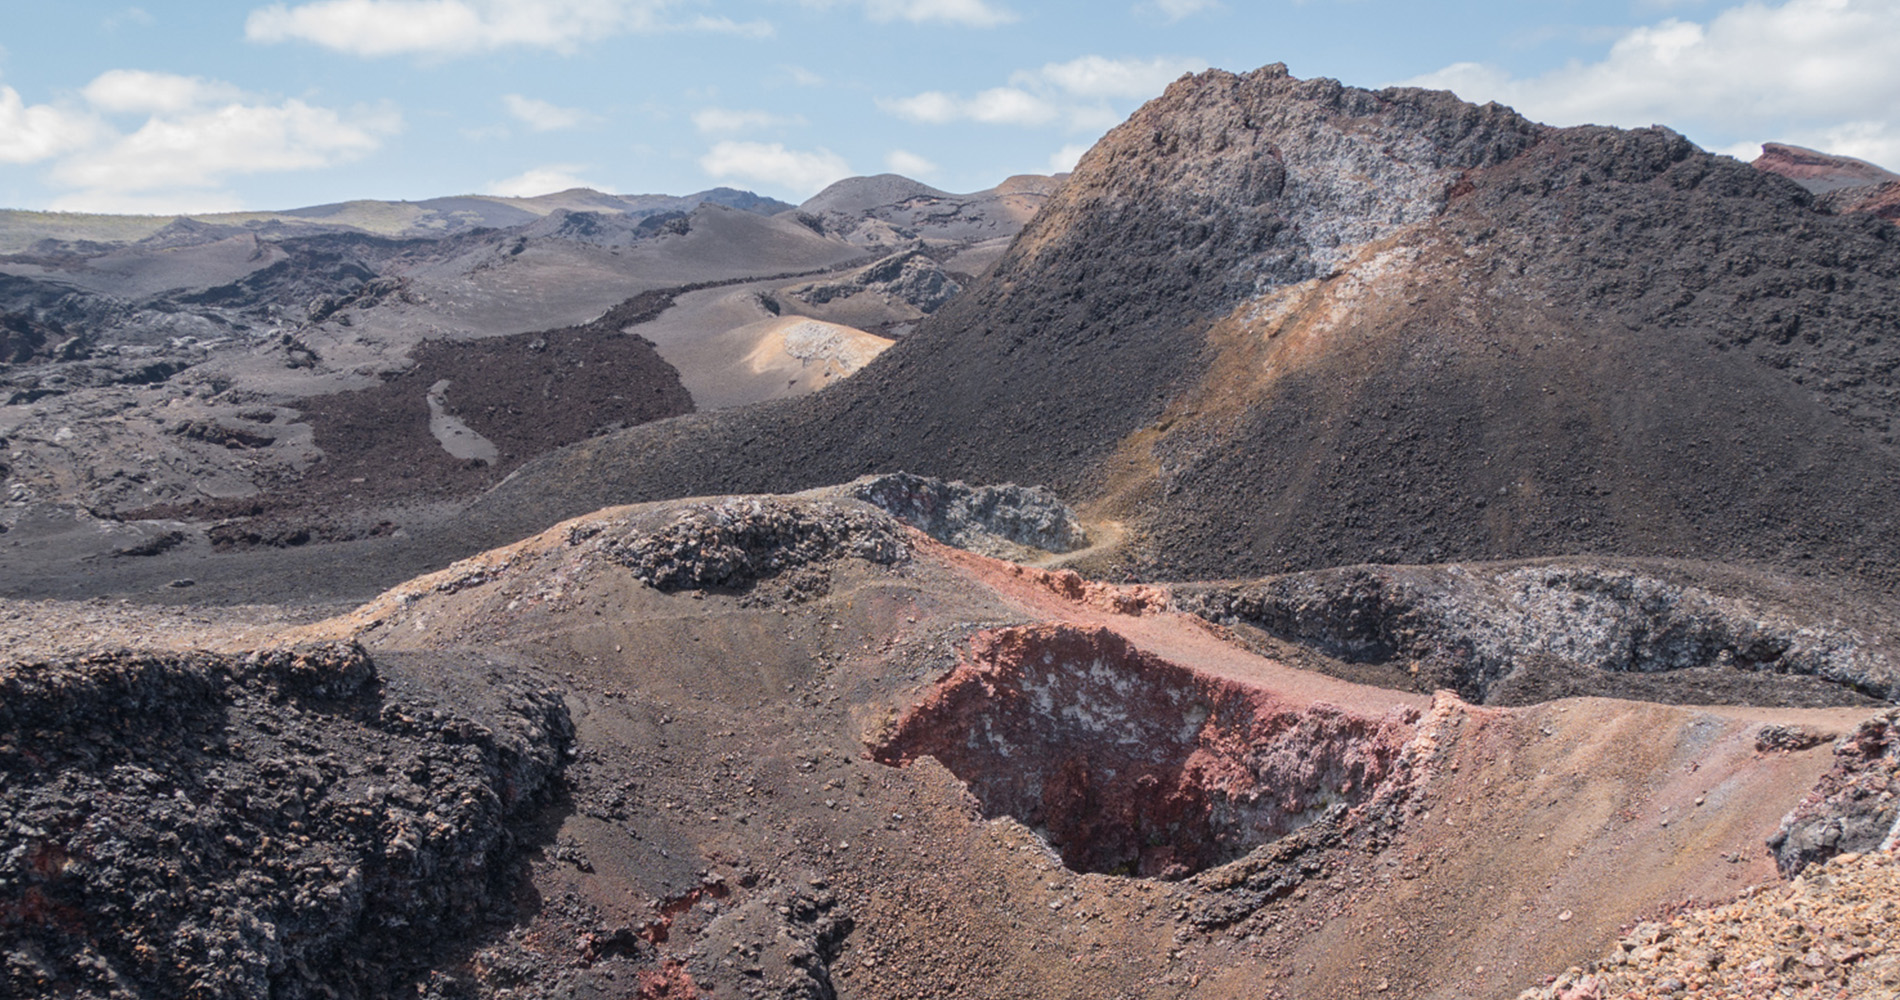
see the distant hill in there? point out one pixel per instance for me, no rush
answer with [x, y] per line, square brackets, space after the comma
[24, 231]
[301, 377]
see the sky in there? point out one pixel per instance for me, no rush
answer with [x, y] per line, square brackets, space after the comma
[166, 106]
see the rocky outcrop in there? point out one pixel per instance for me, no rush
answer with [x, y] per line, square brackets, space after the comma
[888, 210]
[777, 946]
[1006, 521]
[1820, 172]
[912, 277]
[23, 337]
[1854, 809]
[733, 543]
[278, 824]
[1842, 184]
[1488, 631]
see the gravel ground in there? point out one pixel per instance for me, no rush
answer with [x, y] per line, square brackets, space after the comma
[1831, 934]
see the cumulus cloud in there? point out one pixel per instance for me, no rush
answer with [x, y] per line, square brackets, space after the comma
[771, 164]
[455, 27]
[728, 26]
[1818, 68]
[192, 134]
[201, 148]
[541, 180]
[137, 91]
[542, 116]
[997, 106]
[1064, 160]
[716, 120]
[803, 77]
[1097, 76]
[32, 133]
[1081, 93]
[903, 161]
[167, 203]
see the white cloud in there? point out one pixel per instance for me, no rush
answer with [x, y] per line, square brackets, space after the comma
[200, 148]
[194, 135]
[715, 120]
[541, 180]
[902, 161]
[800, 171]
[1097, 76]
[1064, 160]
[133, 91]
[997, 106]
[542, 116]
[1816, 67]
[727, 26]
[168, 203]
[971, 13]
[1175, 10]
[1080, 93]
[968, 13]
[31, 133]
[454, 27]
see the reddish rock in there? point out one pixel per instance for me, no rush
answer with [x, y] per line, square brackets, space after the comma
[1852, 809]
[1820, 172]
[1844, 185]
[1130, 764]
[669, 980]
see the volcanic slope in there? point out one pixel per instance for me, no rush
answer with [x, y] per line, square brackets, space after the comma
[1277, 324]
[787, 747]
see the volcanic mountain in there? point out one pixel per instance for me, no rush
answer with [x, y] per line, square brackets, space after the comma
[1274, 324]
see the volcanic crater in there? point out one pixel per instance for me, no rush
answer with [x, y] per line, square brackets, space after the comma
[1128, 764]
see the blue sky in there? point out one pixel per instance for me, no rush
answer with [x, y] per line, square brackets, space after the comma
[167, 106]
